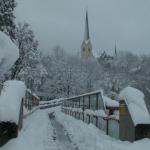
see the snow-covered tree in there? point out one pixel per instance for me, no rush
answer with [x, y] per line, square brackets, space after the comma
[7, 17]
[68, 75]
[28, 67]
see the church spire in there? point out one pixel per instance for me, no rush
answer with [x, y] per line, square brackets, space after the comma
[115, 49]
[86, 35]
[86, 47]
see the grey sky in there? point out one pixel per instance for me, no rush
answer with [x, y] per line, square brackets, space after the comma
[62, 22]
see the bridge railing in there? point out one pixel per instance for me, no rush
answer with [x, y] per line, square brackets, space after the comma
[91, 108]
[31, 100]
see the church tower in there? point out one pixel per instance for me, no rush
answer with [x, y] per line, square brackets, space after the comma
[86, 47]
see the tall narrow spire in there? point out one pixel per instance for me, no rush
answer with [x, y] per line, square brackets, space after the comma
[86, 35]
[86, 47]
[115, 49]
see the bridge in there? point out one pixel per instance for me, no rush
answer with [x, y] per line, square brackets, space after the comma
[57, 122]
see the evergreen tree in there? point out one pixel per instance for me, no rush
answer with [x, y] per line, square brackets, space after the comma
[7, 17]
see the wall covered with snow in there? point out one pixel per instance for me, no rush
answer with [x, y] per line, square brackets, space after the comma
[136, 105]
[10, 100]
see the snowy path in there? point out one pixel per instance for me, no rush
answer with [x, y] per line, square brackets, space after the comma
[41, 133]
[61, 136]
[35, 135]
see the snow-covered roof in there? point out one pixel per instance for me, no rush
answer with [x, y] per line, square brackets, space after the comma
[136, 105]
[9, 52]
[10, 100]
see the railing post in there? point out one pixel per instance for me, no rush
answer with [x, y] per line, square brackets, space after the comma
[107, 126]
[96, 101]
[83, 108]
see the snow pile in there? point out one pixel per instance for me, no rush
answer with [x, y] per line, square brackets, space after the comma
[10, 100]
[109, 102]
[9, 52]
[100, 113]
[136, 105]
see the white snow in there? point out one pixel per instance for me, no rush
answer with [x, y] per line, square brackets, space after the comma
[86, 94]
[136, 105]
[10, 100]
[37, 134]
[100, 113]
[9, 52]
[109, 102]
[27, 112]
[88, 137]
[79, 110]
[33, 94]
[54, 101]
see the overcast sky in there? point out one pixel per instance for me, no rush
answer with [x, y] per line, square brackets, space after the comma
[62, 22]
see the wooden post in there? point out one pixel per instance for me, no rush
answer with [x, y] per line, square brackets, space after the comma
[20, 121]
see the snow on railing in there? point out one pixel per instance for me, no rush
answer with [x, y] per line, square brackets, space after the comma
[51, 103]
[94, 108]
[127, 119]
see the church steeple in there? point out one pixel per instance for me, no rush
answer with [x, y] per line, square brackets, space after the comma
[115, 49]
[86, 35]
[86, 48]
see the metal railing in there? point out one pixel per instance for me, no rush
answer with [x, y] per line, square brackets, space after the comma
[91, 108]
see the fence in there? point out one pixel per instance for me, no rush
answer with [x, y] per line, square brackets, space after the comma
[31, 100]
[91, 108]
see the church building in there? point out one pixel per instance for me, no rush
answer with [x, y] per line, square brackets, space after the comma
[86, 47]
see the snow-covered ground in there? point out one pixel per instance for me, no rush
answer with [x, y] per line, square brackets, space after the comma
[38, 133]
[88, 137]
[35, 135]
